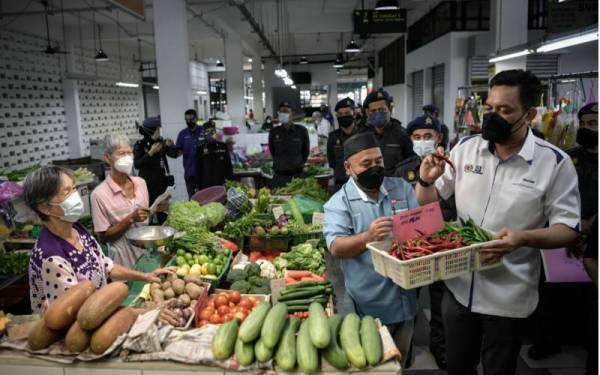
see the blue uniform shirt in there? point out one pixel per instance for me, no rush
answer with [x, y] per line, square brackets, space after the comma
[349, 212]
[188, 141]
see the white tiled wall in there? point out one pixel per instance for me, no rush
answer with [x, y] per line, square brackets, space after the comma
[32, 122]
[33, 128]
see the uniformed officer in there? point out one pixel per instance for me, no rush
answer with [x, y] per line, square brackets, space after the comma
[289, 146]
[213, 162]
[394, 142]
[359, 213]
[433, 111]
[344, 111]
[585, 159]
[426, 135]
[150, 159]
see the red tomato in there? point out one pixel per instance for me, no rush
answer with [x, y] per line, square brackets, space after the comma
[224, 294]
[202, 322]
[231, 304]
[222, 310]
[240, 315]
[253, 300]
[245, 303]
[211, 303]
[221, 301]
[215, 319]
[227, 317]
[235, 296]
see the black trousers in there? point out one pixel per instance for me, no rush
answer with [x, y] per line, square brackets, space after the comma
[191, 185]
[437, 341]
[471, 336]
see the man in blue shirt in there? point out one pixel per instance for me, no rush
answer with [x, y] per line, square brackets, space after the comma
[187, 142]
[359, 213]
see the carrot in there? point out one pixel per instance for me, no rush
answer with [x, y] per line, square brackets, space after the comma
[311, 278]
[298, 274]
[318, 278]
[289, 280]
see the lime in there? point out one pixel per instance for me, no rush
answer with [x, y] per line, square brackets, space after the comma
[211, 269]
[275, 231]
[203, 259]
[180, 261]
[284, 231]
[188, 256]
[219, 270]
[180, 252]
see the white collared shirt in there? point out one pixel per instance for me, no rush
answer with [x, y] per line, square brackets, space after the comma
[535, 187]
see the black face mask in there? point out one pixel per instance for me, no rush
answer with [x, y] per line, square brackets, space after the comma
[190, 124]
[496, 129]
[371, 179]
[587, 138]
[345, 121]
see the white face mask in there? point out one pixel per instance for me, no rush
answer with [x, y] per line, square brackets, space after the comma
[284, 117]
[423, 148]
[72, 207]
[124, 164]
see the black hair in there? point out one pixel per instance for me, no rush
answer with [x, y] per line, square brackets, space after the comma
[42, 185]
[191, 112]
[530, 87]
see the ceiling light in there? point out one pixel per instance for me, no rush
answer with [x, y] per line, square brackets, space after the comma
[101, 56]
[155, 87]
[249, 59]
[303, 60]
[339, 61]
[220, 64]
[288, 81]
[281, 73]
[127, 84]
[352, 47]
[294, 87]
[510, 56]
[569, 41]
[387, 5]
[201, 92]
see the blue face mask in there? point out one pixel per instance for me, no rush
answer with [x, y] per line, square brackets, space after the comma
[379, 119]
[424, 147]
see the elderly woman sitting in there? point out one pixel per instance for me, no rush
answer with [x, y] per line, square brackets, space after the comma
[65, 253]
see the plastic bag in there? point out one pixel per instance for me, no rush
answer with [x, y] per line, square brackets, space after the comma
[10, 190]
[306, 205]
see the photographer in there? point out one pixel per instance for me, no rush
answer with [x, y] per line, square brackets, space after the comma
[150, 159]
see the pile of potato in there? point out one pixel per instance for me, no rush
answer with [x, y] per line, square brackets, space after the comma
[179, 296]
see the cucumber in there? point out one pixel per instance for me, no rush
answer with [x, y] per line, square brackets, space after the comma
[305, 293]
[350, 340]
[370, 340]
[296, 213]
[308, 358]
[302, 285]
[295, 308]
[224, 340]
[333, 353]
[320, 298]
[262, 353]
[250, 328]
[320, 334]
[273, 325]
[244, 352]
[286, 351]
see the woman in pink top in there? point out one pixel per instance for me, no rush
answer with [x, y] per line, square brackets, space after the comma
[120, 202]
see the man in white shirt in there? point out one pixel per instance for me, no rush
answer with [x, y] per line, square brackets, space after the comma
[323, 127]
[512, 183]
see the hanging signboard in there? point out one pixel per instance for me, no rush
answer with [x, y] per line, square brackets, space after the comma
[379, 22]
[571, 15]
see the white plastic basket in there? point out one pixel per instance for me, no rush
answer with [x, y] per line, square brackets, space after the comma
[427, 269]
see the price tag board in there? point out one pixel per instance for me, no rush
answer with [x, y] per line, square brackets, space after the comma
[318, 218]
[277, 211]
[413, 223]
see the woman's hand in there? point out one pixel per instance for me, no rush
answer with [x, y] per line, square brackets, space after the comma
[139, 215]
[153, 277]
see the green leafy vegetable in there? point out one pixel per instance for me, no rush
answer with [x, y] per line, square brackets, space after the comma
[197, 240]
[302, 257]
[13, 263]
[184, 215]
[306, 186]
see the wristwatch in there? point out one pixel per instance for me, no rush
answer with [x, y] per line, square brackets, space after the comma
[423, 183]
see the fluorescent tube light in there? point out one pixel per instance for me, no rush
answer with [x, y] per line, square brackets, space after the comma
[553, 45]
[155, 87]
[201, 92]
[511, 56]
[127, 84]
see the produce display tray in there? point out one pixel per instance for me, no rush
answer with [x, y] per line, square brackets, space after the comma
[426, 270]
[213, 282]
[266, 243]
[301, 238]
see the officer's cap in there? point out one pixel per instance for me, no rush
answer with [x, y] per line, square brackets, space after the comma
[375, 96]
[424, 122]
[345, 103]
[588, 109]
[286, 104]
[151, 123]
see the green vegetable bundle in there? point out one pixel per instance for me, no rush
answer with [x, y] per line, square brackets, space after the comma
[13, 263]
[305, 186]
[197, 240]
[185, 215]
[302, 257]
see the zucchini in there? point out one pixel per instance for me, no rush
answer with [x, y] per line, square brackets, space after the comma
[250, 328]
[305, 293]
[273, 325]
[296, 213]
[320, 298]
[320, 334]
[292, 309]
[304, 284]
[244, 352]
[350, 339]
[370, 340]
[261, 352]
[333, 353]
[286, 351]
[224, 340]
[308, 359]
